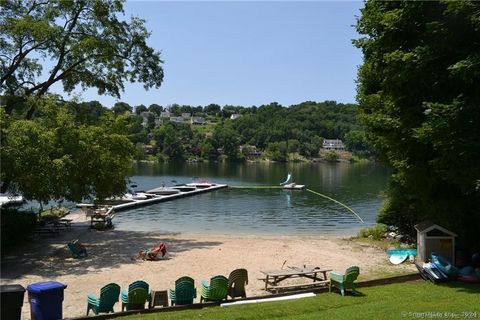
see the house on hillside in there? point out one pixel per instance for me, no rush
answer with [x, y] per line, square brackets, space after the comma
[250, 151]
[177, 120]
[149, 149]
[186, 115]
[165, 114]
[333, 144]
[198, 121]
[146, 115]
[234, 116]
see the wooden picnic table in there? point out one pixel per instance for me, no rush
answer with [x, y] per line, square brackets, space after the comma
[274, 277]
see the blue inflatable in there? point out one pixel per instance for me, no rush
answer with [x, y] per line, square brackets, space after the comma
[402, 252]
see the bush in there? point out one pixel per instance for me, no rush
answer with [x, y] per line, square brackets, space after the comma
[332, 156]
[17, 227]
[376, 232]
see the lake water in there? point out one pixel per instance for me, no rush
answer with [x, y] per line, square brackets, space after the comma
[260, 211]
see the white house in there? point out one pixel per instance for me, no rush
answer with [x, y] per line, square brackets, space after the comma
[198, 121]
[177, 119]
[333, 144]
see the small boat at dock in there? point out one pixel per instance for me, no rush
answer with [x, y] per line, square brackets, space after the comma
[185, 188]
[163, 191]
[10, 200]
[200, 185]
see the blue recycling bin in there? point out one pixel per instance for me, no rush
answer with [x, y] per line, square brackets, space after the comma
[46, 299]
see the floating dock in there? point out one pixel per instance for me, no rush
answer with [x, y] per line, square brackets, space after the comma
[134, 203]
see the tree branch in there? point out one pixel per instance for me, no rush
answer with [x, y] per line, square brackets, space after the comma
[62, 54]
[20, 57]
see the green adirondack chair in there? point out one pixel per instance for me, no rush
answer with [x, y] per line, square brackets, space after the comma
[108, 297]
[344, 281]
[236, 283]
[184, 291]
[136, 296]
[76, 251]
[216, 290]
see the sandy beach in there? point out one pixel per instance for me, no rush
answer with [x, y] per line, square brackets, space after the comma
[197, 255]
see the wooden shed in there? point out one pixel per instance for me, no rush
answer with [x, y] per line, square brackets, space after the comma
[434, 238]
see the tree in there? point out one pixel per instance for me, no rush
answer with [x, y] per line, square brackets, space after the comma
[169, 141]
[356, 140]
[60, 159]
[419, 97]
[139, 109]
[212, 109]
[88, 112]
[89, 46]
[278, 151]
[121, 107]
[155, 108]
[227, 138]
[86, 40]
[207, 149]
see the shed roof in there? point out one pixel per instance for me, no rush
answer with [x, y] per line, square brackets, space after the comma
[426, 226]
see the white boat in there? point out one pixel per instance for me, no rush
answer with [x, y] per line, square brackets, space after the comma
[200, 185]
[294, 186]
[138, 196]
[10, 200]
[185, 188]
[163, 191]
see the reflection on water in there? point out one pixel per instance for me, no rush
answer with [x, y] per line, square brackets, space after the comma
[260, 211]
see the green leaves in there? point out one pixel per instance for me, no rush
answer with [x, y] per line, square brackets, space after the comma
[53, 157]
[86, 41]
[419, 97]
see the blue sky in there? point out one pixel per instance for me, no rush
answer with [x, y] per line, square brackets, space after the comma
[248, 53]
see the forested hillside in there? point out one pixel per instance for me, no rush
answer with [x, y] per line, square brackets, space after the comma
[184, 132]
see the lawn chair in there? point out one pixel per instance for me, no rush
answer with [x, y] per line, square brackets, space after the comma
[136, 296]
[77, 249]
[108, 297]
[344, 281]
[216, 290]
[236, 283]
[184, 291]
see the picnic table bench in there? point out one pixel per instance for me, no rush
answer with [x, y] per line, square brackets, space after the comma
[274, 277]
[47, 230]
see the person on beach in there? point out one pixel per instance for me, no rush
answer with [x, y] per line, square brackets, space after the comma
[151, 254]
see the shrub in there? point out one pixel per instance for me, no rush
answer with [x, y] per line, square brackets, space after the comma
[376, 232]
[332, 156]
[17, 227]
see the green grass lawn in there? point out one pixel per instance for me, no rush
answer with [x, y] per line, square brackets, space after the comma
[413, 300]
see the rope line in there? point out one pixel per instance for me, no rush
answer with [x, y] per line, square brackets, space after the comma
[336, 201]
[309, 190]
